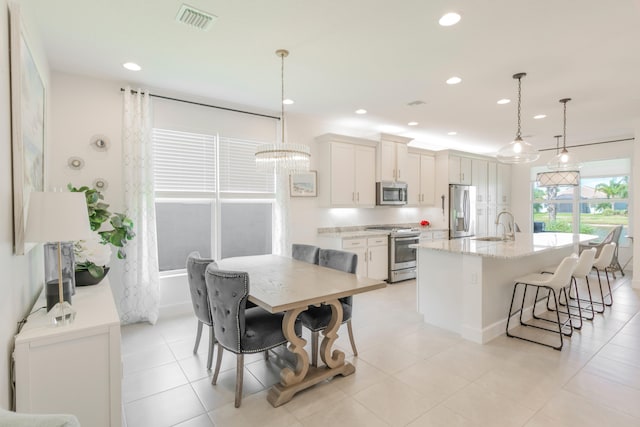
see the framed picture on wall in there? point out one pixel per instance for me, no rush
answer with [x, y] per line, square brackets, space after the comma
[27, 123]
[303, 184]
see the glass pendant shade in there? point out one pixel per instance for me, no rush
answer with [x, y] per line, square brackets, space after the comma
[518, 151]
[564, 161]
[283, 157]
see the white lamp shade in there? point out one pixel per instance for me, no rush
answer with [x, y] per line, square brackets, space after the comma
[57, 217]
[558, 178]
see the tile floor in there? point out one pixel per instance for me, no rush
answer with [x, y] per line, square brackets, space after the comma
[408, 373]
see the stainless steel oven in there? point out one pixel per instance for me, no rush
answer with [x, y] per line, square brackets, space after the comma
[402, 258]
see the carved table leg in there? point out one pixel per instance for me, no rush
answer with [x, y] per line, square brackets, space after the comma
[296, 346]
[335, 359]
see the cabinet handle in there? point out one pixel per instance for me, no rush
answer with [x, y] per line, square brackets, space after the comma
[398, 178]
[369, 257]
[358, 196]
[353, 197]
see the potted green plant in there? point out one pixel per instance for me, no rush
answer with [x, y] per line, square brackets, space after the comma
[93, 255]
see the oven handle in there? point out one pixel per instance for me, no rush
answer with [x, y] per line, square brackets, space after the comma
[404, 239]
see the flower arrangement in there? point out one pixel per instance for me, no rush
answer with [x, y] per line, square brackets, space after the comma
[94, 254]
[425, 223]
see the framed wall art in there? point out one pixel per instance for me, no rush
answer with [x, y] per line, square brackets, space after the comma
[27, 123]
[303, 184]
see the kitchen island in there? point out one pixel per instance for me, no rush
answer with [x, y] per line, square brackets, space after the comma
[465, 285]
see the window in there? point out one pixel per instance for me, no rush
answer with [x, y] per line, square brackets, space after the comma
[598, 204]
[210, 197]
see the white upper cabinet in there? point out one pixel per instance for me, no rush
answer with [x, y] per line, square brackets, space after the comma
[459, 170]
[421, 179]
[504, 184]
[492, 182]
[348, 170]
[392, 159]
[479, 179]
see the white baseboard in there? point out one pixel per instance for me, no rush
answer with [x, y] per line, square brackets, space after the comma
[176, 310]
[494, 330]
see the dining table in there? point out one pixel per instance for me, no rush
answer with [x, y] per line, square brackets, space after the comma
[282, 284]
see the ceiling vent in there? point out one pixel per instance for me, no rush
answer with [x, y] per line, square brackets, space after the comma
[195, 18]
[415, 103]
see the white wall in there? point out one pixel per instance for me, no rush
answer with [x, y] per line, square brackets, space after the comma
[22, 276]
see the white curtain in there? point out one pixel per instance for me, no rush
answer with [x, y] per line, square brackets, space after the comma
[140, 297]
[281, 221]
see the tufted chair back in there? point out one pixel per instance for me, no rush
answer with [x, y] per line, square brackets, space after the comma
[228, 293]
[339, 260]
[196, 267]
[306, 253]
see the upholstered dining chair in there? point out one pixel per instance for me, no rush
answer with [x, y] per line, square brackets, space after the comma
[196, 266]
[306, 253]
[238, 329]
[316, 319]
[612, 237]
[555, 284]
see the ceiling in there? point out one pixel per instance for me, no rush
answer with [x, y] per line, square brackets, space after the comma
[377, 55]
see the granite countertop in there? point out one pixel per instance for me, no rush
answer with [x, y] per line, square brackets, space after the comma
[524, 245]
[362, 231]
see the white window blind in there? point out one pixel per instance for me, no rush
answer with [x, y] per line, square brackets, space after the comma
[184, 161]
[238, 171]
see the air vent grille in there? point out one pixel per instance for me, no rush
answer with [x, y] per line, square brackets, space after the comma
[195, 18]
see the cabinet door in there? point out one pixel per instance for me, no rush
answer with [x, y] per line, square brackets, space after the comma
[361, 269]
[479, 179]
[365, 175]
[481, 220]
[402, 153]
[492, 213]
[504, 184]
[343, 160]
[465, 171]
[414, 192]
[492, 183]
[427, 180]
[455, 175]
[387, 161]
[378, 262]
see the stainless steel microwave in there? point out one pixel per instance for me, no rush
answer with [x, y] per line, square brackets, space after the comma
[391, 193]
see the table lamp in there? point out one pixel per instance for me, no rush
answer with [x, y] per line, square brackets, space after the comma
[56, 217]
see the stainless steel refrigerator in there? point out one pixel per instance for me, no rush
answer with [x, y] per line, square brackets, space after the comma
[462, 211]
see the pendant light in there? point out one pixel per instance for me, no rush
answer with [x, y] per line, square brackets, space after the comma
[563, 160]
[518, 151]
[283, 157]
[564, 168]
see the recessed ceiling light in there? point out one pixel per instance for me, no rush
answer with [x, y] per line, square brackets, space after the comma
[361, 111]
[132, 66]
[449, 19]
[454, 80]
[287, 101]
[539, 116]
[413, 123]
[452, 133]
[504, 101]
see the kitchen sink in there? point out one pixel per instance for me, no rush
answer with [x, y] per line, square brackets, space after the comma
[489, 239]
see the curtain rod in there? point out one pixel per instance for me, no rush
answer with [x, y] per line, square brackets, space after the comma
[205, 105]
[591, 143]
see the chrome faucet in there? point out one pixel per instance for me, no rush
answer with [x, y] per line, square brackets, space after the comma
[510, 235]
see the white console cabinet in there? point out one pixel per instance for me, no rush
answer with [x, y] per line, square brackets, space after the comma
[75, 368]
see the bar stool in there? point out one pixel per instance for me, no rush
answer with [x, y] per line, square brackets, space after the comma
[603, 264]
[583, 267]
[556, 284]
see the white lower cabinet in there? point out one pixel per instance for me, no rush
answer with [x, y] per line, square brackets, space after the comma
[76, 368]
[373, 253]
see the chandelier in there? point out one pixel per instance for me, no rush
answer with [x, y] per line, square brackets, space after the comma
[518, 151]
[283, 157]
